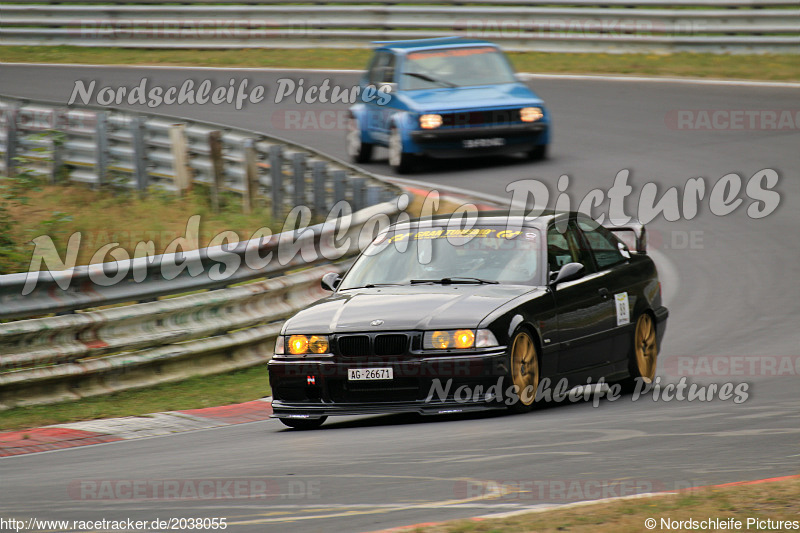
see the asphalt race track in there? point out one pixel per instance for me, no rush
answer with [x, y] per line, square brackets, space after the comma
[730, 283]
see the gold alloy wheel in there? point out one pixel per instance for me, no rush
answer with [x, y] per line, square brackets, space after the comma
[644, 344]
[524, 367]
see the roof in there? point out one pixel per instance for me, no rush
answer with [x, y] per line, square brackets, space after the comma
[426, 44]
[503, 217]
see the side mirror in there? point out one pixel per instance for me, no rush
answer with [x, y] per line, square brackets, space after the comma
[330, 281]
[568, 272]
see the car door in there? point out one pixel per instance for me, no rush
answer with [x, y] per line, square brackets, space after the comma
[584, 307]
[381, 72]
[611, 258]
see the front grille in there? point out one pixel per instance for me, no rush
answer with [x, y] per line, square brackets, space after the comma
[391, 344]
[352, 345]
[378, 344]
[495, 117]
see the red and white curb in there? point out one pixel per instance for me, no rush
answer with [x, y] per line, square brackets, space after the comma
[61, 436]
[541, 508]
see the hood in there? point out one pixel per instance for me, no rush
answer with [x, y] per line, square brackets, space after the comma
[419, 307]
[468, 98]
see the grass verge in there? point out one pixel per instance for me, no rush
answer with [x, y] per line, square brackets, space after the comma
[777, 500]
[772, 67]
[194, 393]
[106, 216]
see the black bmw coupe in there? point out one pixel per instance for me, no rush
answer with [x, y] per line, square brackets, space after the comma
[435, 318]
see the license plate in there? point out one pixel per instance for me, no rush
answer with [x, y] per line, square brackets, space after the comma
[369, 374]
[484, 143]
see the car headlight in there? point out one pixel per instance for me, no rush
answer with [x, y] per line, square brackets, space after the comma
[458, 339]
[430, 122]
[530, 114]
[302, 345]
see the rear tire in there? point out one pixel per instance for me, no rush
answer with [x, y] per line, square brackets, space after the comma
[304, 423]
[523, 370]
[644, 355]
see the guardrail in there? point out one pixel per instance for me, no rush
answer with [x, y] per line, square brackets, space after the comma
[744, 26]
[88, 348]
[98, 145]
[97, 351]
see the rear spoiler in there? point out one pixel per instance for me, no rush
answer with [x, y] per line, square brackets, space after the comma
[631, 233]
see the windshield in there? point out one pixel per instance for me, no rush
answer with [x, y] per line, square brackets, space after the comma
[439, 255]
[455, 67]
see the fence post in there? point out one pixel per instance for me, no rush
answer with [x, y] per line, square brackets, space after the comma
[139, 161]
[299, 171]
[11, 140]
[373, 195]
[215, 150]
[101, 142]
[358, 193]
[180, 159]
[320, 171]
[339, 177]
[276, 179]
[250, 176]
[58, 148]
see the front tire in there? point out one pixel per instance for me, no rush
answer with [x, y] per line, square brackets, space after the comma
[644, 357]
[357, 149]
[304, 423]
[402, 162]
[523, 371]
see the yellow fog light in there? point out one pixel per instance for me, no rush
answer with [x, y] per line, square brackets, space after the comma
[530, 114]
[465, 338]
[429, 122]
[318, 344]
[298, 344]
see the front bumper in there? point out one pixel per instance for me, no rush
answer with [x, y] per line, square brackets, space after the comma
[459, 134]
[450, 142]
[289, 410]
[426, 385]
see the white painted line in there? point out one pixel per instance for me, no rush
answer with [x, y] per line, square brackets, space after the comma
[152, 425]
[137, 439]
[526, 75]
[544, 507]
[657, 79]
[188, 67]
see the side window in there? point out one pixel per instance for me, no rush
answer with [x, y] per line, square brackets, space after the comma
[603, 243]
[563, 248]
[381, 69]
[388, 70]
